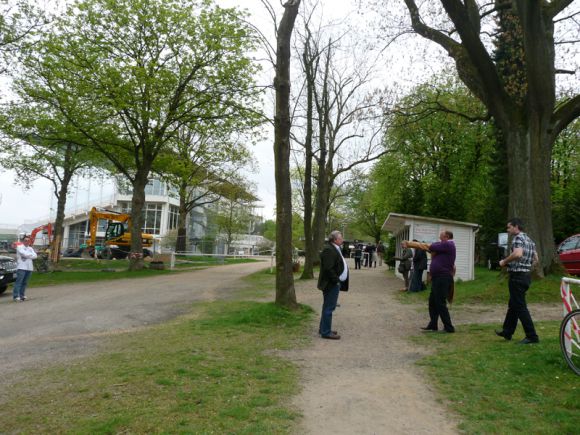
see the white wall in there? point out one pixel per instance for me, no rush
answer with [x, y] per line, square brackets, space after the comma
[463, 237]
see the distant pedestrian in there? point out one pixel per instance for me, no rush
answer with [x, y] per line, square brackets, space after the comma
[358, 253]
[372, 256]
[380, 252]
[519, 265]
[405, 265]
[24, 256]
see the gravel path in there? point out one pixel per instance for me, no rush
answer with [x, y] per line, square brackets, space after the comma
[367, 382]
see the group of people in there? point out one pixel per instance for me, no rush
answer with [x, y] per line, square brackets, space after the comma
[370, 254]
[334, 277]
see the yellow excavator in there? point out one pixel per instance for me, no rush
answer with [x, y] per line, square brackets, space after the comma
[117, 242]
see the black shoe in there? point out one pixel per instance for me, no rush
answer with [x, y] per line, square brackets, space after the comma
[428, 328]
[529, 341]
[332, 332]
[450, 330]
[331, 336]
[503, 334]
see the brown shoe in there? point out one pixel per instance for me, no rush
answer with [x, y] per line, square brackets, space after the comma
[332, 336]
[403, 290]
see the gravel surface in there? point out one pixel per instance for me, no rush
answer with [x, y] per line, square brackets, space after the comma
[367, 382]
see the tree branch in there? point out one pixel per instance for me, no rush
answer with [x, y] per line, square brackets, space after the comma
[564, 115]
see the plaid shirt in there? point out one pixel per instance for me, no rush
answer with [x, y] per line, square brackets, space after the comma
[524, 264]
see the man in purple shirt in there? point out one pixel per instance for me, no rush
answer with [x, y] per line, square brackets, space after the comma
[442, 270]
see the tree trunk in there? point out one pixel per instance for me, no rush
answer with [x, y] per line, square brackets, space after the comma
[285, 292]
[58, 230]
[528, 158]
[309, 252]
[181, 242]
[137, 204]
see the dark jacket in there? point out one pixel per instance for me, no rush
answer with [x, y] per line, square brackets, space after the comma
[420, 259]
[331, 266]
[405, 260]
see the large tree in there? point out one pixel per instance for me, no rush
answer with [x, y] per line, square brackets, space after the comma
[39, 143]
[129, 74]
[342, 113]
[519, 92]
[285, 291]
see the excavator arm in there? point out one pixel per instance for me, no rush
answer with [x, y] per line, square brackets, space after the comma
[47, 227]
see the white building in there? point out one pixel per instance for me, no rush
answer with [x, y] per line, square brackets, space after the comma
[427, 229]
[160, 213]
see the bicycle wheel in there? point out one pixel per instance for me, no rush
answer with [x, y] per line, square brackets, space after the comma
[570, 340]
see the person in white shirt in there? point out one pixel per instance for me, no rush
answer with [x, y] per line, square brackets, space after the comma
[24, 256]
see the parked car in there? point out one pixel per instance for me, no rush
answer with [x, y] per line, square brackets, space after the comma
[7, 272]
[569, 252]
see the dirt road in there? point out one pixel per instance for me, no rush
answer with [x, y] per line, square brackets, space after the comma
[62, 322]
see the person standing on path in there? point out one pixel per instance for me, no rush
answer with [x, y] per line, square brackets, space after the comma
[419, 266]
[519, 265]
[405, 261]
[357, 256]
[24, 256]
[332, 279]
[380, 252]
[442, 270]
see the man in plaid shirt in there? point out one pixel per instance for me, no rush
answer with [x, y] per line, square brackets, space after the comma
[519, 264]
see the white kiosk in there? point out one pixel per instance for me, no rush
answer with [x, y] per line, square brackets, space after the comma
[427, 229]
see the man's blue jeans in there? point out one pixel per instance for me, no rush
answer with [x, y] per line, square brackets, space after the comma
[329, 304]
[22, 277]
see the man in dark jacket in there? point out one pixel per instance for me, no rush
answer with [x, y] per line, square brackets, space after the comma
[332, 279]
[419, 266]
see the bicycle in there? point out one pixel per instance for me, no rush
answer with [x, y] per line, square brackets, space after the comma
[570, 326]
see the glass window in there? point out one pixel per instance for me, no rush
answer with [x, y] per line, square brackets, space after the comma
[152, 218]
[173, 217]
[569, 244]
[155, 187]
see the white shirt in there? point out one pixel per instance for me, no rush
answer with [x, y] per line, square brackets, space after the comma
[24, 257]
[344, 275]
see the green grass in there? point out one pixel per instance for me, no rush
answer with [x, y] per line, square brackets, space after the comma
[90, 270]
[491, 287]
[211, 372]
[498, 386]
[259, 285]
[181, 261]
[58, 278]
[213, 260]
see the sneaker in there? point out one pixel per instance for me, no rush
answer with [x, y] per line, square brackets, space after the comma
[17, 300]
[23, 298]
